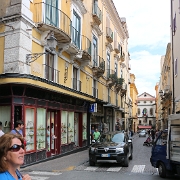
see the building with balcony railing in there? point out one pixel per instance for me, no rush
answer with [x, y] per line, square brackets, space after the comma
[57, 59]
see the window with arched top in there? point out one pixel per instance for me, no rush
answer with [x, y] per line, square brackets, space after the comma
[145, 112]
[151, 111]
[138, 111]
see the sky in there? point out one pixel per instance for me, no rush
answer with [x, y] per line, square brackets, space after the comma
[148, 25]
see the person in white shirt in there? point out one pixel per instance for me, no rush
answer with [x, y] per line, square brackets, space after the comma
[1, 132]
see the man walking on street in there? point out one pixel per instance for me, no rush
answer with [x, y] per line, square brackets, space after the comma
[96, 135]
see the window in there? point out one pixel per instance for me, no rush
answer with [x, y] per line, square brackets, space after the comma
[50, 72]
[139, 121]
[144, 101]
[76, 82]
[52, 16]
[115, 69]
[175, 67]
[138, 111]
[95, 90]
[151, 111]
[108, 64]
[150, 122]
[76, 23]
[94, 51]
[144, 112]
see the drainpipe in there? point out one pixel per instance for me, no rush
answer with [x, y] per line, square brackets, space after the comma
[172, 55]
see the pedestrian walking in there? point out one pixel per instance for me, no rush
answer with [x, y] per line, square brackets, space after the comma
[1, 132]
[96, 135]
[152, 135]
[19, 125]
[12, 157]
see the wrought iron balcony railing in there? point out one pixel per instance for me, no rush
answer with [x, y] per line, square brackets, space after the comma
[53, 17]
[109, 34]
[97, 14]
[111, 74]
[75, 37]
[51, 74]
[99, 62]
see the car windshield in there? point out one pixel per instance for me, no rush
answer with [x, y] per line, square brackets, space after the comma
[112, 138]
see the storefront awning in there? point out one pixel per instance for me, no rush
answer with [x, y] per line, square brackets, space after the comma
[144, 127]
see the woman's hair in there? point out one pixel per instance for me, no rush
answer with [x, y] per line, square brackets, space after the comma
[5, 144]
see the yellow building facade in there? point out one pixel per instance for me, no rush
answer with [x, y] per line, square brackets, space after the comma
[134, 95]
[64, 65]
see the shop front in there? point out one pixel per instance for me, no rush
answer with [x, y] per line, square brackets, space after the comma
[54, 124]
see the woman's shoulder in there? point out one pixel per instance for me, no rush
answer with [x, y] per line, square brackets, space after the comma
[6, 176]
[3, 175]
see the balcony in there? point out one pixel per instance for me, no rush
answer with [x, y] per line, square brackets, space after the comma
[119, 83]
[97, 14]
[122, 57]
[98, 66]
[95, 92]
[117, 47]
[111, 77]
[123, 89]
[109, 35]
[51, 74]
[85, 55]
[49, 18]
[75, 45]
[76, 84]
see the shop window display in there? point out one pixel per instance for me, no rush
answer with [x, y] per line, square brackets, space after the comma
[29, 129]
[5, 117]
[41, 135]
[84, 126]
[64, 127]
[71, 127]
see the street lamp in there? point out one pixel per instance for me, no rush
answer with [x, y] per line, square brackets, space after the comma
[51, 42]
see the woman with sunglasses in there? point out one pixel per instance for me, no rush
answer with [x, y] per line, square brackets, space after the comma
[11, 157]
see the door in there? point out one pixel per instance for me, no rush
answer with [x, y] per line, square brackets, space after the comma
[51, 131]
[52, 12]
[94, 51]
[76, 29]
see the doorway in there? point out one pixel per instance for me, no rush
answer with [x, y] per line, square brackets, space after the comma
[51, 133]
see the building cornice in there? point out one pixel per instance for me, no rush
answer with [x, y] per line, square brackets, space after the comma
[110, 7]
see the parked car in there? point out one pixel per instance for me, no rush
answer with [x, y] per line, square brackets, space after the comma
[142, 133]
[112, 146]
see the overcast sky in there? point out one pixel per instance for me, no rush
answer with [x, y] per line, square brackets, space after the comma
[149, 33]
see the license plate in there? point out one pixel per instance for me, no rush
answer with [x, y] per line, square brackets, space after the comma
[105, 155]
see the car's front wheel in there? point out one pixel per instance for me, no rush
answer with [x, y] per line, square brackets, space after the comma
[126, 161]
[91, 163]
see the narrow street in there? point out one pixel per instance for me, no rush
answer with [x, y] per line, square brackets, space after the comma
[76, 166]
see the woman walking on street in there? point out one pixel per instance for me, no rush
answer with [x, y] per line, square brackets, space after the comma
[11, 157]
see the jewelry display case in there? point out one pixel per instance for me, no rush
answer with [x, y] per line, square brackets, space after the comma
[71, 127]
[64, 127]
[30, 129]
[41, 129]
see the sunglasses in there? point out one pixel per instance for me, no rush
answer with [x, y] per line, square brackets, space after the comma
[16, 147]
